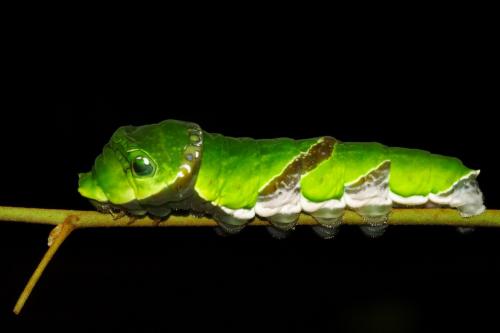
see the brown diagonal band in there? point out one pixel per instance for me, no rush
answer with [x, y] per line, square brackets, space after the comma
[304, 163]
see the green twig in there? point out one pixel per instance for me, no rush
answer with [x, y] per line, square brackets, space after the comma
[89, 219]
[66, 221]
[56, 238]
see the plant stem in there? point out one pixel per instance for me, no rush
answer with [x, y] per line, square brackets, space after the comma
[90, 219]
[56, 238]
[68, 220]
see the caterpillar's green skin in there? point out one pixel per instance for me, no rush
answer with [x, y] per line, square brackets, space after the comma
[175, 165]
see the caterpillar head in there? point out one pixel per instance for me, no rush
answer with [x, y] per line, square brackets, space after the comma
[145, 166]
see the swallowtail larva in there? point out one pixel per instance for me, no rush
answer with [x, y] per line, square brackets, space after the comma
[175, 165]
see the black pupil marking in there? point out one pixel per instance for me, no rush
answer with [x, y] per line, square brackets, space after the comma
[142, 166]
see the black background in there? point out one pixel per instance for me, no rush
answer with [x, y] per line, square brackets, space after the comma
[416, 89]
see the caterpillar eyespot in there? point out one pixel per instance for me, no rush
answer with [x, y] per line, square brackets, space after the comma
[178, 166]
[142, 166]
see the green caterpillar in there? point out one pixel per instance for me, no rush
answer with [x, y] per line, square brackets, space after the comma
[174, 165]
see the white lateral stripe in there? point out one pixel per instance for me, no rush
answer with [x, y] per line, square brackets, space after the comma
[464, 195]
